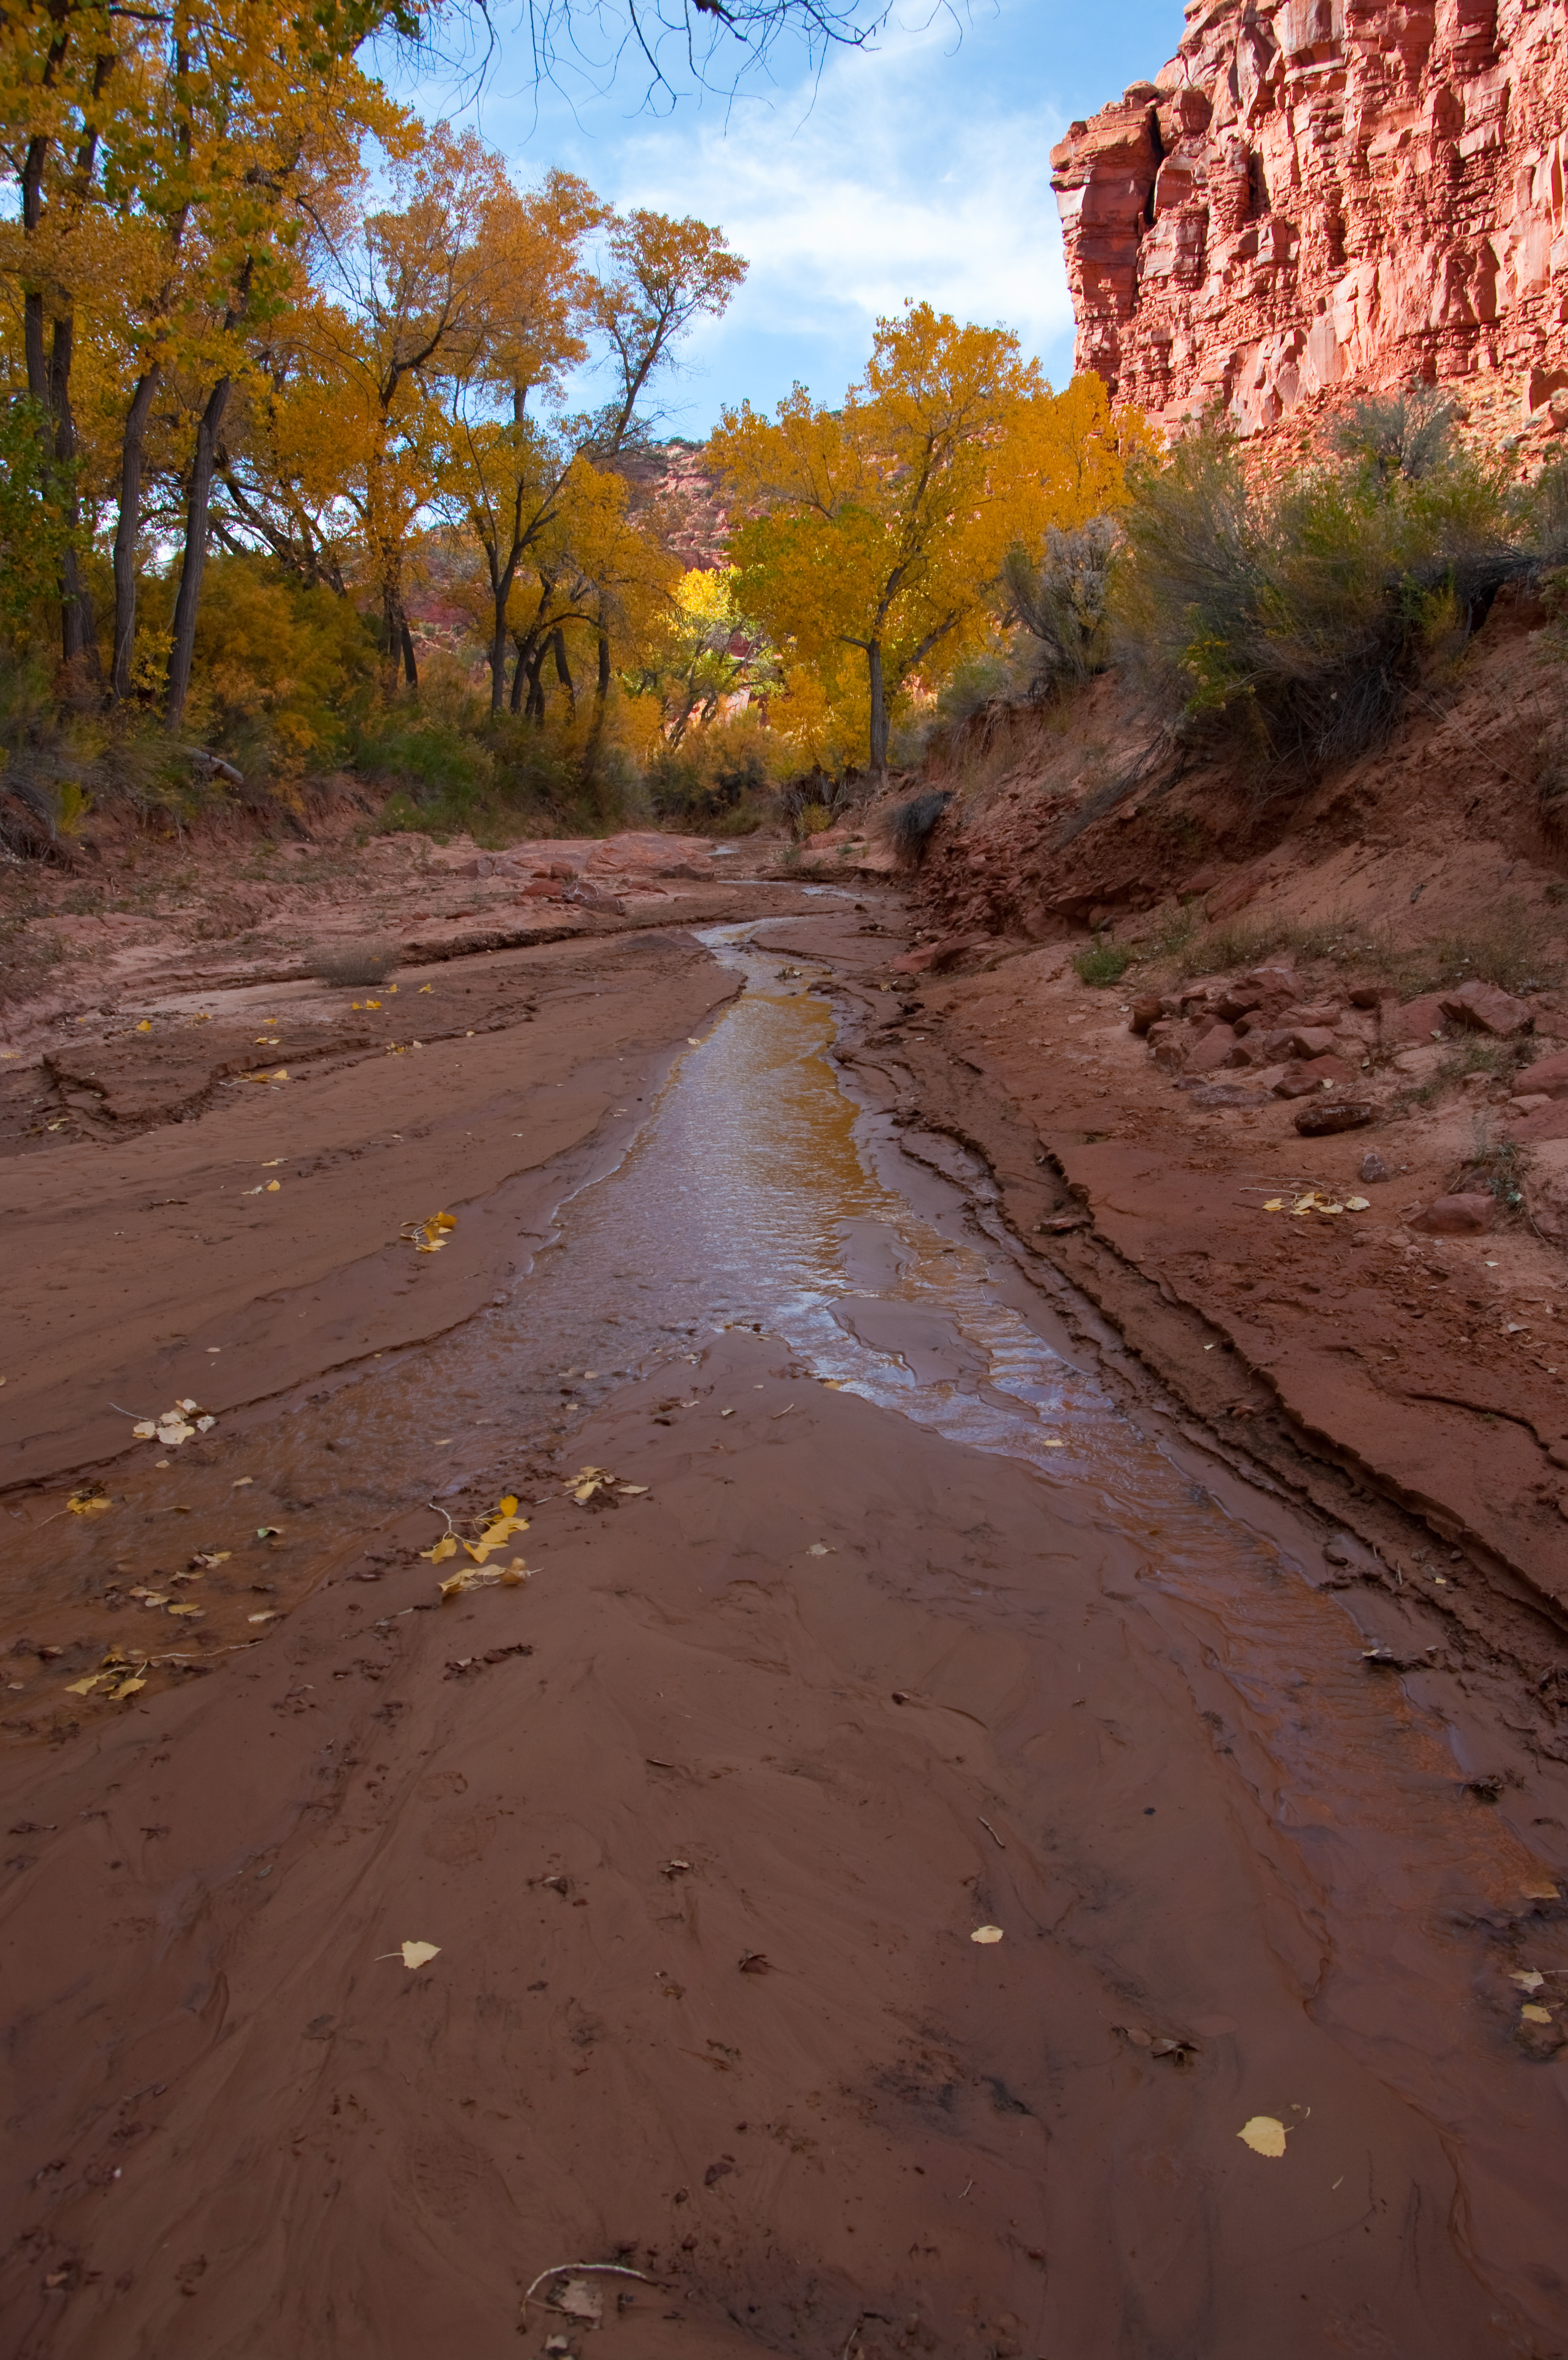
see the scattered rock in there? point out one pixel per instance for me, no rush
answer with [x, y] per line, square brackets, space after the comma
[1548, 1077]
[934, 958]
[1485, 1008]
[1146, 1011]
[1302, 1079]
[1213, 1049]
[1372, 1167]
[1334, 1114]
[1456, 1217]
[1417, 1020]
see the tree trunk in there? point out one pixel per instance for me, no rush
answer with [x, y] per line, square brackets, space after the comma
[79, 642]
[519, 674]
[534, 708]
[194, 561]
[879, 714]
[410, 668]
[562, 671]
[132, 453]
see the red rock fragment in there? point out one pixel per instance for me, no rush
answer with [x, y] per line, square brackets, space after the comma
[1456, 1217]
[1319, 1121]
[1215, 1047]
[1312, 1075]
[1485, 1009]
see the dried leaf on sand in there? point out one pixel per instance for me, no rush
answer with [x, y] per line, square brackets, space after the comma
[1265, 2134]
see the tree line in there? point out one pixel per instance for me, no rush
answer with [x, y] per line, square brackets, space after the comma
[252, 308]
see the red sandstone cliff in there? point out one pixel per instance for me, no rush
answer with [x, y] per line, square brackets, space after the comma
[1319, 193]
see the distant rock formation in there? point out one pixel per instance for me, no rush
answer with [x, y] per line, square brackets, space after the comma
[1322, 194]
[674, 486]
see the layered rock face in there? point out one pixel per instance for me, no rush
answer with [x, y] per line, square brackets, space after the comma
[1324, 193]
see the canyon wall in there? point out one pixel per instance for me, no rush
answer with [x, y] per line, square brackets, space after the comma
[1317, 195]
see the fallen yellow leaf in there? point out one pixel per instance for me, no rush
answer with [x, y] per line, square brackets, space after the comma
[1544, 1889]
[89, 1503]
[1263, 2133]
[146, 1026]
[420, 1954]
[187, 1609]
[986, 1934]
[494, 1536]
[445, 1547]
[273, 1187]
[1533, 2014]
[506, 1507]
[86, 1687]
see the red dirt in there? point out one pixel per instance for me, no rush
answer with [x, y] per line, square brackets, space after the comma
[702, 1867]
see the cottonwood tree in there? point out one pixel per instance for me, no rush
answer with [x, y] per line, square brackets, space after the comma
[881, 527]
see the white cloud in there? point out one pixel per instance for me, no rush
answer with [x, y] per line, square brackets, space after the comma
[876, 193]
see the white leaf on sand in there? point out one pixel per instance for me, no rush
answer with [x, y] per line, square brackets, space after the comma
[1055, 1442]
[144, 1431]
[1529, 1979]
[1356, 1204]
[986, 1934]
[420, 1954]
[1265, 2134]
[819, 1548]
[580, 2299]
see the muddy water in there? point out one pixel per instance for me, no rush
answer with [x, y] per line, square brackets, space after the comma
[756, 1192]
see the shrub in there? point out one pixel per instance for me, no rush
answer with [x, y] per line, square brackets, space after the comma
[909, 825]
[280, 669]
[1409, 434]
[1296, 619]
[1061, 599]
[368, 962]
[1102, 962]
[716, 778]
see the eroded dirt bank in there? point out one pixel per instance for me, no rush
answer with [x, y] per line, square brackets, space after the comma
[702, 1814]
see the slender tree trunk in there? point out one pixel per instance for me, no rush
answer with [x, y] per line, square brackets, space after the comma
[79, 642]
[602, 688]
[410, 668]
[534, 709]
[195, 562]
[133, 451]
[562, 670]
[520, 675]
[501, 580]
[879, 714]
[499, 656]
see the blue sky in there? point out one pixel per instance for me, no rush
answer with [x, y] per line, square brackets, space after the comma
[920, 168]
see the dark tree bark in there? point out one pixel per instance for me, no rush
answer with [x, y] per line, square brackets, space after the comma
[562, 670]
[534, 709]
[79, 640]
[410, 668]
[879, 712]
[133, 451]
[194, 562]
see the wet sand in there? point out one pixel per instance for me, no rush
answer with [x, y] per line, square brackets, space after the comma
[920, 1625]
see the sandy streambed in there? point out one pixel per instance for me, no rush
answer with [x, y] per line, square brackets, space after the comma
[906, 1631]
